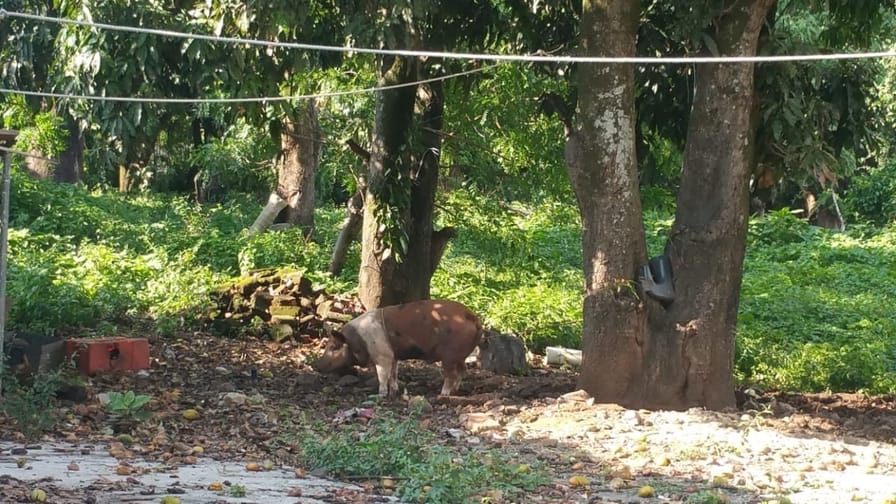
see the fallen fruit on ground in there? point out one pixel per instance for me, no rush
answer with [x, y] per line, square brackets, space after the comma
[646, 491]
[578, 480]
[191, 414]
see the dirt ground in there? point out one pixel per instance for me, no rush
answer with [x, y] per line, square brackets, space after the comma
[826, 448]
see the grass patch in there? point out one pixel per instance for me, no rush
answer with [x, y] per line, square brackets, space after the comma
[422, 468]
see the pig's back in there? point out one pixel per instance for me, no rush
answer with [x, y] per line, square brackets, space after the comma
[431, 329]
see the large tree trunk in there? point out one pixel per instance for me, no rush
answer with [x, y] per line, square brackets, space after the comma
[402, 184]
[300, 149]
[692, 342]
[386, 199]
[600, 157]
[646, 354]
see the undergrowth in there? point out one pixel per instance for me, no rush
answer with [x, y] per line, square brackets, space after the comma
[421, 466]
[815, 306]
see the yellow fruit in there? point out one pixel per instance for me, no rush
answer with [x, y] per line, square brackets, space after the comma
[169, 499]
[21, 461]
[125, 439]
[387, 483]
[38, 495]
[190, 414]
[578, 480]
[253, 466]
[198, 450]
[662, 461]
[215, 486]
[646, 491]
[267, 465]
[523, 468]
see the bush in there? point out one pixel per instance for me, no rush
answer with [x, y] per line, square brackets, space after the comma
[31, 405]
[815, 308]
[871, 195]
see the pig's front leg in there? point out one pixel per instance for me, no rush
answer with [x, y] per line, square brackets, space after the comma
[393, 381]
[383, 376]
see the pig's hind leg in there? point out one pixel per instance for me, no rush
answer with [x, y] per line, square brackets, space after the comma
[453, 373]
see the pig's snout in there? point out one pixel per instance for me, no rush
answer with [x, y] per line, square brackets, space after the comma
[336, 358]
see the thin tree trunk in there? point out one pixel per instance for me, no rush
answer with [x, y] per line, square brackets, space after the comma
[347, 233]
[418, 266]
[300, 149]
[69, 167]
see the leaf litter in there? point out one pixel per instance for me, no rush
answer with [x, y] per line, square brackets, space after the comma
[238, 403]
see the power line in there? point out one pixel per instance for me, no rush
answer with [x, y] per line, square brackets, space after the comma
[539, 58]
[132, 99]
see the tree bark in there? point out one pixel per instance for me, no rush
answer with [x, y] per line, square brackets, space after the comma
[418, 266]
[402, 181]
[300, 149]
[636, 351]
[691, 349]
[69, 167]
[602, 167]
[385, 201]
[348, 231]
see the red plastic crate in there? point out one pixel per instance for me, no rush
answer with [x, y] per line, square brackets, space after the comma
[94, 355]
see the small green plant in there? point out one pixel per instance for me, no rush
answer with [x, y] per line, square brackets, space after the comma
[127, 406]
[707, 497]
[753, 419]
[237, 490]
[31, 405]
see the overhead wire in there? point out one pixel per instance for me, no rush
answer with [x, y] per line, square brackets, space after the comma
[254, 99]
[533, 58]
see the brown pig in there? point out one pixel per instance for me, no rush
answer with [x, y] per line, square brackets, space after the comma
[432, 330]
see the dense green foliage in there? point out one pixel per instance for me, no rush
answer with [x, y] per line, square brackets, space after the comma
[815, 304]
[816, 307]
